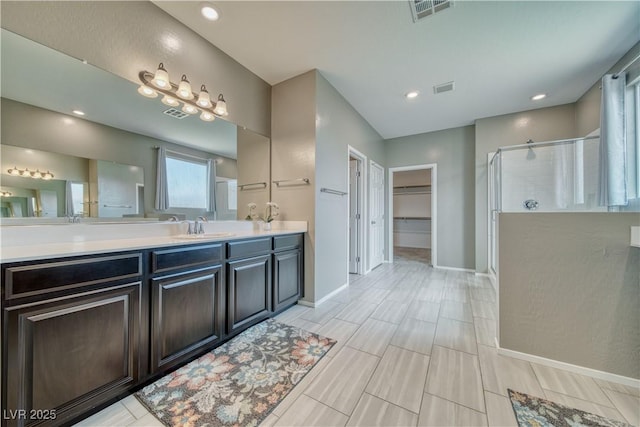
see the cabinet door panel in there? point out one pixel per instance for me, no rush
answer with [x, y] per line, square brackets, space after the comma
[249, 291]
[186, 315]
[62, 353]
[287, 278]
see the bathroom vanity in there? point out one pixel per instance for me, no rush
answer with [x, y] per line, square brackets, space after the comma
[81, 329]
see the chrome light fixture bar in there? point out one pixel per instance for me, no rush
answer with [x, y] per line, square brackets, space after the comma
[174, 94]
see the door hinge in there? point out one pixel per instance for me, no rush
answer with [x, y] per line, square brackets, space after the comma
[357, 216]
[357, 259]
[358, 173]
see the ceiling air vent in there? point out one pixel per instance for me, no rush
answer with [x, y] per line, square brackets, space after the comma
[423, 8]
[444, 87]
[176, 114]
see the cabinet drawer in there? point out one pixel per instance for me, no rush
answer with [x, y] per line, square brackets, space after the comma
[287, 242]
[170, 259]
[34, 279]
[249, 247]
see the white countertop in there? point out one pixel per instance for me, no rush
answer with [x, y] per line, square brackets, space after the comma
[23, 243]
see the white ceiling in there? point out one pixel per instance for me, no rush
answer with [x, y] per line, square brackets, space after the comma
[37, 75]
[498, 53]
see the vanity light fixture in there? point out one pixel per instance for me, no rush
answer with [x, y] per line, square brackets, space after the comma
[175, 94]
[30, 174]
[538, 97]
[6, 193]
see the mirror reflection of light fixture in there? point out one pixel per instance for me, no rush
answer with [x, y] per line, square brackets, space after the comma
[30, 174]
[152, 86]
[170, 101]
[189, 109]
[6, 194]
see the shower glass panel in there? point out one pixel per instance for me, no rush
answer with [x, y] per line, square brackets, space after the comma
[559, 176]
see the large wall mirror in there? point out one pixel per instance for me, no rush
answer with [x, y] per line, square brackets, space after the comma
[103, 163]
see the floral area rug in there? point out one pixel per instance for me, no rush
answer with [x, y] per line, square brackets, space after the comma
[238, 383]
[535, 412]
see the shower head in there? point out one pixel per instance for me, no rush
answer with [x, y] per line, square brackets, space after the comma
[530, 153]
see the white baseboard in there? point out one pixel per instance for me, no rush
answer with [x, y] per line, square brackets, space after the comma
[323, 299]
[465, 270]
[594, 373]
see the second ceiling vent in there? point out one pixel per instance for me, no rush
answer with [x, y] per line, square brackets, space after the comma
[444, 87]
[423, 8]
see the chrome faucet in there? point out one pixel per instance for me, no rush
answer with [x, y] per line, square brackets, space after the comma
[74, 219]
[203, 219]
[195, 227]
[173, 219]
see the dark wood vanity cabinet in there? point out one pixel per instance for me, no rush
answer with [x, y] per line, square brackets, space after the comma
[79, 332]
[248, 292]
[187, 306]
[62, 354]
[287, 271]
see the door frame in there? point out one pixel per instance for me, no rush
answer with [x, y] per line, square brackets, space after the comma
[434, 208]
[362, 200]
[384, 216]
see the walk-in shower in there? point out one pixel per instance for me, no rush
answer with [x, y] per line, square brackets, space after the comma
[552, 176]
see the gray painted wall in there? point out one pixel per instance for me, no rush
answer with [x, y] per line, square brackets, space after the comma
[32, 127]
[338, 125]
[453, 151]
[570, 288]
[125, 37]
[293, 145]
[545, 124]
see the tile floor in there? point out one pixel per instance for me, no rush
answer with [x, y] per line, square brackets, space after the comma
[415, 347]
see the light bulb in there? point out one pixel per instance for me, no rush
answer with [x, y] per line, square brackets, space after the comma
[189, 109]
[207, 116]
[221, 106]
[47, 176]
[184, 88]
[204, 100]
[14, 171]
[25, 172]
[170, 101]
[161, 78]
[36, 174]
[147, 92]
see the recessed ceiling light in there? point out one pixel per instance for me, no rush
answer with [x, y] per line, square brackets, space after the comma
[538, 97]
[412, 94]
[78, 112]
[210, 12]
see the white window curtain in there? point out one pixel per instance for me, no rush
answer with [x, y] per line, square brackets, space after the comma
[162, 187]
[612, 189]
[211, 202]
[68, 199]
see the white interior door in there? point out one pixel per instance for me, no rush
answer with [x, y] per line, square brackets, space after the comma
[354, 216]
[376, 246]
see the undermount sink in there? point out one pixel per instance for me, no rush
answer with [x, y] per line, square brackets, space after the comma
[203, 236]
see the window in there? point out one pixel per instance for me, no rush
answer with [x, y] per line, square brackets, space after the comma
[77, 197]
[187, 182]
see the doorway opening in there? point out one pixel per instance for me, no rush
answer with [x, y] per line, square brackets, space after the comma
[357, 214]
[412, 207]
